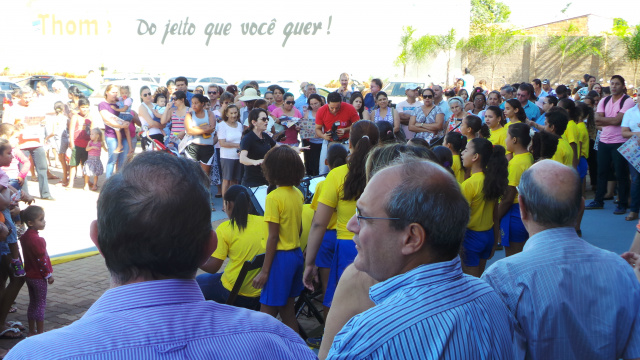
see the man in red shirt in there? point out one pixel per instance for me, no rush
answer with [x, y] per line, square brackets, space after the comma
[333, 112]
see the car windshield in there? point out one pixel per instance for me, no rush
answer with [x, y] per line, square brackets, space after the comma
[398, 88]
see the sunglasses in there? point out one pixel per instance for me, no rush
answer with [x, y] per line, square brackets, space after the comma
[212, 92]
[147, 94]
[263, 119]
[427, 96]
[290, 102]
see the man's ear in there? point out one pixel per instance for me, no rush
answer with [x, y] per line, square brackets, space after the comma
[414, 239]
[524, 215]
[210, 247]
[93, 234]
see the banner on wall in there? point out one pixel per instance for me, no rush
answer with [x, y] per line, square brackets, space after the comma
[251, 39]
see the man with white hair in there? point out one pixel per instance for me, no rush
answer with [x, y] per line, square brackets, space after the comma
[60, 93]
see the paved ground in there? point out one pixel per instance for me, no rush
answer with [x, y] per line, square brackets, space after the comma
[79, 283]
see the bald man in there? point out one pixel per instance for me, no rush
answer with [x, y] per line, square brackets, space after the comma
[571, 299]
[425, 307]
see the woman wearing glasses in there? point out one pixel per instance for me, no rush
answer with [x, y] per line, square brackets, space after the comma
[149, 116]
[427, 121]
[288, 110]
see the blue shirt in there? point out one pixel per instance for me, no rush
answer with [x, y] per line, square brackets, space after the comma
[541, 120]
[167, 319]
[300, 102]
[571, 299]
[431, 312]
[444, 106]
[189, 96]
[532, 110]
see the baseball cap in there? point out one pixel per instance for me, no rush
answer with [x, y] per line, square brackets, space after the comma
[545, 82]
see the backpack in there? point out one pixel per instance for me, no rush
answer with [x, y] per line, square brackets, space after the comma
[608, 98]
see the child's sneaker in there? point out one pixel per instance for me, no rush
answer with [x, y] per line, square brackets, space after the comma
[18, 269]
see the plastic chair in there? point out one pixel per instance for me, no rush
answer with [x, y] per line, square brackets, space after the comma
[254, 264]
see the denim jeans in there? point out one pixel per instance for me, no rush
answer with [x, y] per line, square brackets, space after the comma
[635, 189]
[112, 144]
[40, 160]
[608, 154]
[212, 289]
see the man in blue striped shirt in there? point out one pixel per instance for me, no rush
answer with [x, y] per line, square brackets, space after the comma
[409, 225]
[571, 299]
[154, 230]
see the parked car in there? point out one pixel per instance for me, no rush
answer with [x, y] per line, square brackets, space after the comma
[243, 83]
[67, 82]
[395, 90]
[206, 81]
[134, 86]
[6, 88]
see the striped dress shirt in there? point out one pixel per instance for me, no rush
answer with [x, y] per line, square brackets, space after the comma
[165, 319]
[431, 312]
[571, 299]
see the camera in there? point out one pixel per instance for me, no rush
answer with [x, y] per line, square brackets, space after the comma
[334, 131]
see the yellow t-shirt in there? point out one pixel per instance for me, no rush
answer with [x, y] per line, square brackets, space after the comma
[571, 133]
[240, 246]
[284, 206]
[457, 168]
[583, 138]
[499, 137]
[481, 218]
[307, 219]
[314, 206]
[564, 153]
[504, 142]
[332, 195]
[518, 165]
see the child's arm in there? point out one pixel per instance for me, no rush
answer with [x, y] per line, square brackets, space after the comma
[39, 249]
[26, 165]
[270, 253]
[122, 109]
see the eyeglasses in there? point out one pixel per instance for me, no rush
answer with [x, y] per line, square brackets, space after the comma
[290, 102]
[358, 217]
[263, 119]
[427, 96]
[212, 92]
[145, 95]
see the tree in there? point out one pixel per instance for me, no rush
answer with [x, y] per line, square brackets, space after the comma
[493, 44]
[620, 27]
[405, 44]
[632, 50]
[447, 43]
[421, 48]
[485, 12]
[567, 44]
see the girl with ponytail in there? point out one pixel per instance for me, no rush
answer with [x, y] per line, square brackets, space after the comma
[472, 127]
[340, 190]
[456, 142]
[512, 229]
[240, 238]
[488, 182]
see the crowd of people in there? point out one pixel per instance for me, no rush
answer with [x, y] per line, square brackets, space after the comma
[413, 198]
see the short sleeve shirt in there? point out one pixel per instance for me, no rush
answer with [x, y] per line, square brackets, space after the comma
[564, 153]
[571, 133]
[256, 149]
[347, 115]
[481, 218]
[499, 136]
[231, 135]
[428, 118]
[314, 206]
[332, 195]
[631, 119]
[517, 166]
[240, 246]
[613, 134]
[458, 171]
[108, 130]
[283, 206]
[583, 139]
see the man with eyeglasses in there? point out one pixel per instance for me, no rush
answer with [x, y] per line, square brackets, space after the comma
[525, 92]
[572, 300]
[409, 226]
[212, 94]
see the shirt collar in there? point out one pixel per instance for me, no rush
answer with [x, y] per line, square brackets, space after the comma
[423, 276]
[550, 236]
[147, 294]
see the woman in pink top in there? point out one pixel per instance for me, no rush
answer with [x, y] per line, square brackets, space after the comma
[288, 109]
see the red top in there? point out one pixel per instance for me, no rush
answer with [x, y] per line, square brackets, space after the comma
[81, 133]
[36, 259]
[347, 115]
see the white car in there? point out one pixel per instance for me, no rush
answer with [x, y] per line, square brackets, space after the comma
[395, 90]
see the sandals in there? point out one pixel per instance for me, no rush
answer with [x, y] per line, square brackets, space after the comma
[632, 216]
[5, 332]
[16, 324]
[13, 309]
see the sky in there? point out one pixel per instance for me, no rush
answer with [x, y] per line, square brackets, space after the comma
[528, 13]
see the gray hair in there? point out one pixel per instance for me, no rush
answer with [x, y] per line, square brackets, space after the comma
[508, 89]
[25, 90]
[306, 88]
[212, 85]
[545, 207]
[430, 196]
[458, 99]
[435, 85]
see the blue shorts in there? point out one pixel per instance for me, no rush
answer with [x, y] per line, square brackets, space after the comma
[583, 167]
[477, 245]
[285, 278]
[344, 255]
[327, 249]
[125, 116]
[512, 229]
